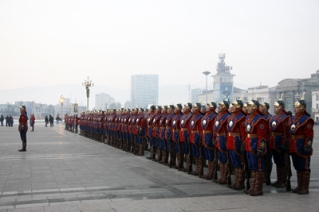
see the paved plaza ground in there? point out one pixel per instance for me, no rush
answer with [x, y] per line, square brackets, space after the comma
[63, 171]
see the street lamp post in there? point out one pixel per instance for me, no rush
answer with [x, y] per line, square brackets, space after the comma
[61, 102]
[206, 73]
[87, 84]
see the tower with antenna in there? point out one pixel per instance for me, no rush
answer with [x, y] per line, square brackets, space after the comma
[223, 80]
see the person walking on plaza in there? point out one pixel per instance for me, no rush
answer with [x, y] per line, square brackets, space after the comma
[11, 121]
[301, 130]
[32, 120]
[1, 120]
[7, 121]
[51, 121]
[23, 127]
[46, 119]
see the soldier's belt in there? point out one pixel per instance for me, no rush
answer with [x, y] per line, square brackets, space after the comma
[276, 133]
[252, 136]
[183, 129]
[194, 131]
[168, 128]
[207, 131]
[175, 130]
[149, 125]
[221, 134]
[162, 127]
[297, 136]
[233, 134]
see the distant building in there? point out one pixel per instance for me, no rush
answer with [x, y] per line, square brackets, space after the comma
[144, 90]
[293, 89]
[315, 105]
[103, 101]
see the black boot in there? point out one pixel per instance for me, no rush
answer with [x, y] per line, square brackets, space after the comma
[24, 147]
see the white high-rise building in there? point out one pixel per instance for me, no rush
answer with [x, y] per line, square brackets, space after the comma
[144, 90]
[103, 101]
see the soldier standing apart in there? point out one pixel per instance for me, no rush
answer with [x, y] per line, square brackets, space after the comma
[184, 137]
[301, 130]
[236, 137]
[220, 130]
[208, 140]
[23, 127]
[278, 141]
[255, 145]
[32, 120]
[196, 138]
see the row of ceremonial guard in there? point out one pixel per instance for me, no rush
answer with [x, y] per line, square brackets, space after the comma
[242, 138]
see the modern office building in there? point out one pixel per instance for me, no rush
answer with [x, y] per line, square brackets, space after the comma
[103, 101]
[144, 90]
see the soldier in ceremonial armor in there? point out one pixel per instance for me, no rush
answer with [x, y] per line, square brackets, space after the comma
[301, 130]
[162, 141]
[236, 136]
[220, 130]
[126, 117]
[255, 145]
[135, 131]
[141, 128]
[195, 139]
[184, 137]
[208, 139]
[169, 136]
[149, 132]
[176, 129]
[264, 108]
[278, 141]
[23, 127]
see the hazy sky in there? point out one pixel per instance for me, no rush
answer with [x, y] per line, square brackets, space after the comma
[60, 42]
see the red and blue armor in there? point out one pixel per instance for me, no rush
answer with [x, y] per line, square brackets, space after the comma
[236, 137]
[256, 129]
[220, 129]
[208, 142]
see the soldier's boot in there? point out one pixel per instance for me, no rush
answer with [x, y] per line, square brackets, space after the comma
[278, 169]
[268, 174]
[166, 158]
[283, 182]
[223, 174]
[140, 150]
[152, 153]
[172, 159]
[305, 183]
[22, 148]
[196, 171]
[252, 182]
[240, 179]
[235, 178]
[136, 148]
[102, 138]
[32, 129]
[258, 190]
[163, 157]
[178, 158]
[181, 162]
[201, 168]
[159, 155]
[299, 181]
[209, 174]
[188, 163]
